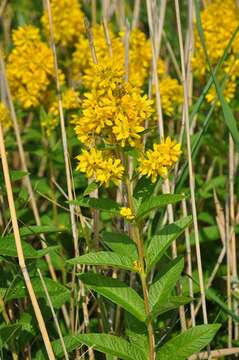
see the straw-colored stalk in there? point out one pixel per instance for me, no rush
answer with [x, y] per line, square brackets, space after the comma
[20, 253]
[190, 164]
[27, 181]
[53, 314]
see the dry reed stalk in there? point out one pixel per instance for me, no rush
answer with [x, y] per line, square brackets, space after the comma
[189, 265]
[232, 231]
[107, 36]
[229, 258]
[136, 14]
[190, 165]
[53, 314]
[66, 157]
[2, 7]
[216, 354]
[20, 253]
[220, 218]
[159, 33]
[172, 55]
[166, 184]
[93, 12]
[26, 179]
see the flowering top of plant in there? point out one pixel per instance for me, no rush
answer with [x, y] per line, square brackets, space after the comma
[160, 160]
[219, 22]
[113, 109]
[29, 67]
[5, 119]
[67, 19]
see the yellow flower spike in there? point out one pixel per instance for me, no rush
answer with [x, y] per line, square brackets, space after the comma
[127, 213]
[68, 21]
[30, 67]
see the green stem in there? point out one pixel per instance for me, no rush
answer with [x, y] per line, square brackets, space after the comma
[140, 246]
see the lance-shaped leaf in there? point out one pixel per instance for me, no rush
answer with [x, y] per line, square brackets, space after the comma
[173, 302]
[188, 343]
[161, 289]
[107, 344]
[121, 244]
[155, 202]
[116, 291]
[105, 258]
[160, 243]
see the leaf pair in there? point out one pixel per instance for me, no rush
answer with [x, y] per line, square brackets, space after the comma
[178, 348]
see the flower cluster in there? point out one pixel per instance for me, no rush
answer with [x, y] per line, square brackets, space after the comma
[219, 22]
[5, 119]
[70, 101]
[67, 19]
[100, 168]
[29, 67]
[160, 160]
[113, 110]
[139, 62]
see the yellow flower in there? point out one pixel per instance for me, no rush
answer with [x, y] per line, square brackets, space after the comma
[101, 169]
[160, 160]
[67, 19]
[113, 109]
[29, 67]
[219, 21]
[126, 212]
[5, 117]
[228, 93]
[82, 59]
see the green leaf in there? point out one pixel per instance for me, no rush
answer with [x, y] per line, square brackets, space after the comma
[105, 258]
[26, 231]
[100, 204]
[227, 112]
[19, 291]
[188, 343]
[155, 202]
[173, 302]
[116, 291]
[8, 248]
[212, 295]
[160, 243]
[8, 332]
[107, 344]
[90, 188]
[17, 175]
[121, 244]
[137, 333]
[161, 289]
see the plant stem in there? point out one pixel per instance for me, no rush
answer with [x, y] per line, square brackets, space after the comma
[140, 247]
